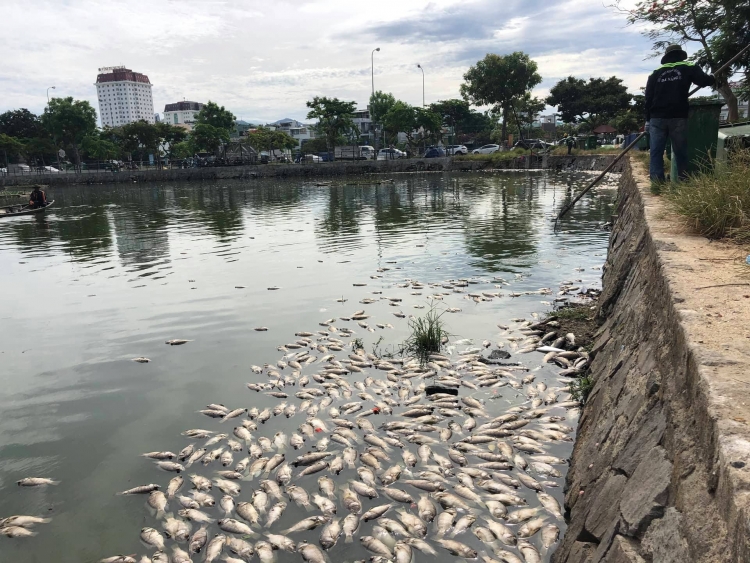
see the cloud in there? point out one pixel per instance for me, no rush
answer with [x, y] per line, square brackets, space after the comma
[266, 59]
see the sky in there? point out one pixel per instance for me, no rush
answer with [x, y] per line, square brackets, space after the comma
[264, 59]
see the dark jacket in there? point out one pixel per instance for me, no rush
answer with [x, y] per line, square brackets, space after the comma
[668, 88]
[38, 196]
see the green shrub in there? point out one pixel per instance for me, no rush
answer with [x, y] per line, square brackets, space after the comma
[716, 203]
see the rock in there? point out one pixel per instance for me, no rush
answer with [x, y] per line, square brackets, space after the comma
[604, 507]
[499, 355]
[646, 492]
[663, 541]
[650, 431]
[625, 550]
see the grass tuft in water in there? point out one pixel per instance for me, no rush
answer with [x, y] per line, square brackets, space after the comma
[716, 203]
[427, 335]
[358, 343]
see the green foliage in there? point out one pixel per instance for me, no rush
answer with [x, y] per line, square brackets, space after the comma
[594, 102]
[430, 123]
[10, 146]
[100, 148]
[402, 117]
[265, 139]
[426, 337]
[380, 103]
[21, 124]
[334, 117]
[314, 146]
[205, 137]
[69, 121]
[719, 28]
[499, 81]
[358, 343]
[216, 116]
[716, 204]
[182, 149]
[571, 313]
[581, 387]
[525, 109]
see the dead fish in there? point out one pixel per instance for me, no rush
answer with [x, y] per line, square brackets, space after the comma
[36, 482]
[215, 547]
[198, 540]
[458, 548]
[152, 537]
[235, 527]
[374, 545]
[307, 524]
[140, 490]
[177, 342]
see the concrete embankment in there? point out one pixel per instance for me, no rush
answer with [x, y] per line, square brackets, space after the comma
[322, 170]
[661, 466]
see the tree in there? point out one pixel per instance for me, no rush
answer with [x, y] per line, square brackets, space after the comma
[9, 145]
[266, 139]
[208, 138]
[99, 148]
[334, 117]
[500, 80]
[720, 28]
[430, 123]
[402, 118]
[70, 121]
[593, 102]
[170, 135]
[314, 146]
[215, 116]
[21, 124]
[525, 110]
[380, 103]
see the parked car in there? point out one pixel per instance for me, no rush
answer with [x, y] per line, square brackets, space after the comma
[3, 171]
[457, 149]
[368, 152]
[486, 149]
[531, 144]
[49, 170]
[312, 158]
[390, 154]
[433, 152]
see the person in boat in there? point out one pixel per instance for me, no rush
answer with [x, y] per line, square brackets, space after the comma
[38, 198]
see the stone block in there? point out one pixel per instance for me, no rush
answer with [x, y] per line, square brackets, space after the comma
[604, 505]
[663, 542]
[646, 492]
[650, 430]
[624, 550]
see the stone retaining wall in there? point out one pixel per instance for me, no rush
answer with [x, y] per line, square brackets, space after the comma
[322, 170]
[660, 466]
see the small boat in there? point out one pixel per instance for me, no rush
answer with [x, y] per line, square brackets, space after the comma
[13, 210]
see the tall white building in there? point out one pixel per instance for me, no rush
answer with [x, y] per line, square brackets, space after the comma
[183, 113]
[124, 96]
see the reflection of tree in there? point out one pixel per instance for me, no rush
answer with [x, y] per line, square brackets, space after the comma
[218, 209]
[500, 225]
[342, 218]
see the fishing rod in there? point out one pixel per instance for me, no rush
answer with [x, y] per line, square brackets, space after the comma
[635, 142]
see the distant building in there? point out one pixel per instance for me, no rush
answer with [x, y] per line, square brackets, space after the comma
[743, 106]
[363, 121]
[124, 96]
[182, 114]
[300, 132]
[241, 128]
[157, 118]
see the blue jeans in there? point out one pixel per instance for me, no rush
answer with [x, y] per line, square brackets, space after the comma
[660, 130]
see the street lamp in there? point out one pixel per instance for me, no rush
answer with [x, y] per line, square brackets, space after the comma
[419, 66]
[372, 61]
[48, 89]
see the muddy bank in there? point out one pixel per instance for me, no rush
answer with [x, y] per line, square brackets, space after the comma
[662, 457]
[322, 170]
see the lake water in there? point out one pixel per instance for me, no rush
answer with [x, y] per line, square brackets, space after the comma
[112, 272]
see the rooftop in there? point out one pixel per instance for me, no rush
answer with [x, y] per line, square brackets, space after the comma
[120, 74]
[183, 106]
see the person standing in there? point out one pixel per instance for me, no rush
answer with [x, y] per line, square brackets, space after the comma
[667, 108]
[570, 141]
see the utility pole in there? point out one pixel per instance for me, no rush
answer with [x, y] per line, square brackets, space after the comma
[372, 68]
[55, 137]
[419, 66]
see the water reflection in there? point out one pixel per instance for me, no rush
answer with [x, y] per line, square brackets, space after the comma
[111, 272]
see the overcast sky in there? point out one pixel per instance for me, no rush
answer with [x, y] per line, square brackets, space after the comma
[264, 59]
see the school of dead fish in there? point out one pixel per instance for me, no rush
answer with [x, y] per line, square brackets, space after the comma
[376, 458]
